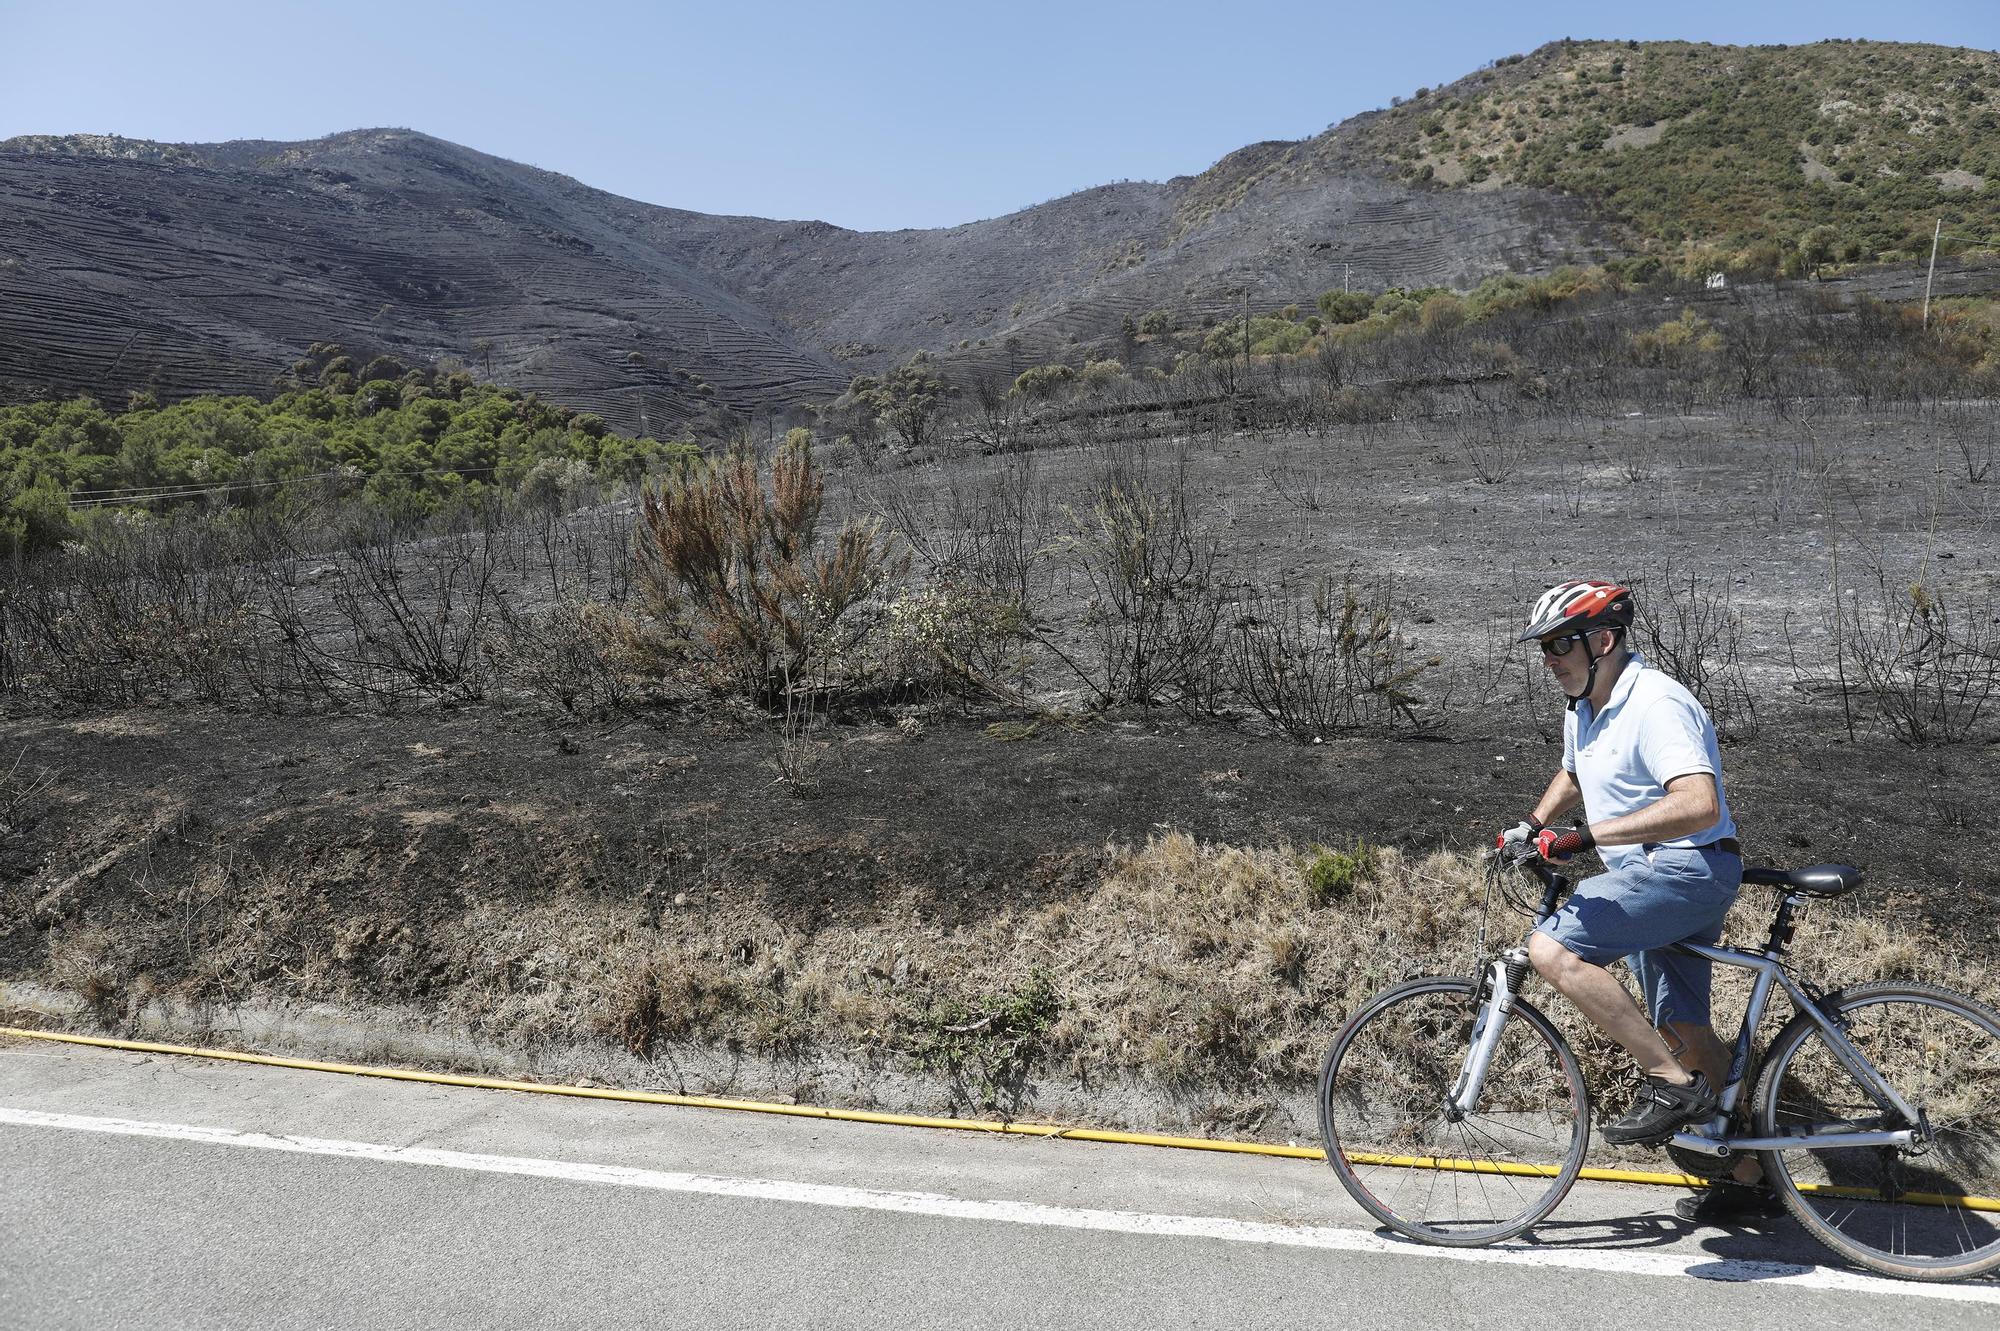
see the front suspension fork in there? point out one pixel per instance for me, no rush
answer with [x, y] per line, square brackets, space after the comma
[1508, 972]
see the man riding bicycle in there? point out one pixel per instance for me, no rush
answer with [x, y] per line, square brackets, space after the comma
[1640, 755]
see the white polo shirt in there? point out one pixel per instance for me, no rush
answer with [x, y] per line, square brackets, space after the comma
[1651, 731]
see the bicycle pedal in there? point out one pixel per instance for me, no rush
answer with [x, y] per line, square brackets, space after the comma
[1699, 1162]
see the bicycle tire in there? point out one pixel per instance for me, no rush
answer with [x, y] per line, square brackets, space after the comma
[1478, 1180]
[1930, 1212]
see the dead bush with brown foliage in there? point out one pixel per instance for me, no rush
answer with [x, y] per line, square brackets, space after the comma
[737, 583]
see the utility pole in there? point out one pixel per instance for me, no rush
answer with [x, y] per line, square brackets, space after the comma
[1246, 328]
[1346, 271]
[1936, 231]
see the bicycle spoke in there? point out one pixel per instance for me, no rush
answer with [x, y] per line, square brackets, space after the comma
[1384, 1098]
[1914, 1211]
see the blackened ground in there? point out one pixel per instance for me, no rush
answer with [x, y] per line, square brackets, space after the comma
[421, 815]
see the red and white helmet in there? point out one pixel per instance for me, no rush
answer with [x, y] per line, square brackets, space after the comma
[1582, 605]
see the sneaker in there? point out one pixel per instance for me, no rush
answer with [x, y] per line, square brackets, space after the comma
[1658, 1109]
[1726, 1202]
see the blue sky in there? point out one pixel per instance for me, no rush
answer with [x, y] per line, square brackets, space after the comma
[870, 115]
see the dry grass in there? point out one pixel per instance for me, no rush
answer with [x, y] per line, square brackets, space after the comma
[1196, 967]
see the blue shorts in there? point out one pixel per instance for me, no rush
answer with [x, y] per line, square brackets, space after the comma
[1670, 896]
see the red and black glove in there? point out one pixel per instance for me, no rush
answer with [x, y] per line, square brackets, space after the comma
[1558, 844]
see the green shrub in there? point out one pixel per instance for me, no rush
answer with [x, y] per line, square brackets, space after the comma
[1102, 373]
[986, 1046]
[1441, 314]
[1676, 341]
[1043, 381]
[1332, 875]
[35, 519]
[409, 444]
[1346, 307]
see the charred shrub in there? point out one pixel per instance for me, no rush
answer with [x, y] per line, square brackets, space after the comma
[1328, 663]
[1149, 564]
[1920, 661]
[1688, 627]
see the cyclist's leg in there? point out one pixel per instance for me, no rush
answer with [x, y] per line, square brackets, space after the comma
[1677, 988]
[1696, 1045]
[1700, 886]
[1596, 926]
[1645, 902]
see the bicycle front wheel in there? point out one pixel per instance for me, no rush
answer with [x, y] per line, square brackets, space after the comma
[1930, 1211]
[1414, 1162]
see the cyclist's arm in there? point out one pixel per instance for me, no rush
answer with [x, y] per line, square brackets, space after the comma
[1562, 795]
[1691, 804]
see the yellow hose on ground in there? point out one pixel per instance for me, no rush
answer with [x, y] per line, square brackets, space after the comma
[915, 1121]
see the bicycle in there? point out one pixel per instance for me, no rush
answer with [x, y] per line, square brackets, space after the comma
[1456, 1113]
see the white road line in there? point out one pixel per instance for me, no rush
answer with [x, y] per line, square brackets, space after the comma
[1023, 1213]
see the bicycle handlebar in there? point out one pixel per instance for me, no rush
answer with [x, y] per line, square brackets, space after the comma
[1529, 860]
[1519, 855]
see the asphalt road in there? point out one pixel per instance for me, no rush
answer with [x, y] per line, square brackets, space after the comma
[154, 1191]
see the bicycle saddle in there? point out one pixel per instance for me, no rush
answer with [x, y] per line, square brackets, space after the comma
[1821, 880]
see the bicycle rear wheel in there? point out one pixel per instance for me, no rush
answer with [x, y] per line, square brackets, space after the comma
[1927, 1212]
[1419, 1167]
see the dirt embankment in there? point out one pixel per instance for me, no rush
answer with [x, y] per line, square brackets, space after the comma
[957, 919]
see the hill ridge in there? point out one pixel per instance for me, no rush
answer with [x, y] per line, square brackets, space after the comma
[211, 266]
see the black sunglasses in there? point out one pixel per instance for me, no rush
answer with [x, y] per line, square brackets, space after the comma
[1562, 646]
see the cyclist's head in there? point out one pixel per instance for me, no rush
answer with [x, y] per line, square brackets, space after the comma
[1573, 614]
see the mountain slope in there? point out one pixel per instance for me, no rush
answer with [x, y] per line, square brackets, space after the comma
[181, 270]
[192, 267]
[1693, 146]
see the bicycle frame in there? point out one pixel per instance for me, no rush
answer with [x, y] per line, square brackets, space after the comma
[1770, 974]
[1506, 971]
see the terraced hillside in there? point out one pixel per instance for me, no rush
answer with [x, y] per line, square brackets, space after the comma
[202, 267]
[192, 268]
[188, 276]
[1067, 272]
[1080, 263]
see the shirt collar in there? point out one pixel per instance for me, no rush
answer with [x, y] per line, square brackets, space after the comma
[1627, 679]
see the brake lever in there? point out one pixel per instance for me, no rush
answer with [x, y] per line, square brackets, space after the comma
[1513, 856]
